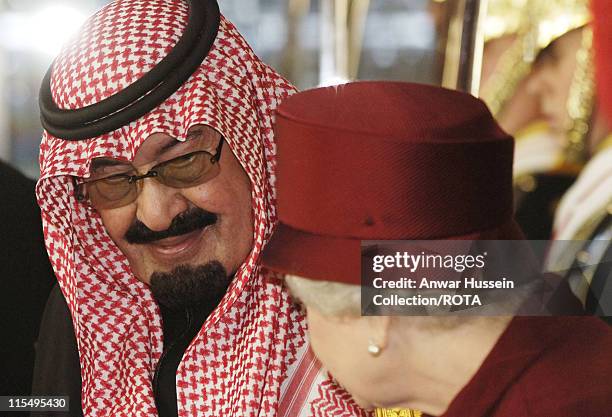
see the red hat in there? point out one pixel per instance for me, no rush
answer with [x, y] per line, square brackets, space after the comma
[384, 161]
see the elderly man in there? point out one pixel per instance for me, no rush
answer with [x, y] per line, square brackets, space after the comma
[157, 167]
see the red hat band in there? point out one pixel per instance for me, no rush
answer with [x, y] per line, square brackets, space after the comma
[353, 185]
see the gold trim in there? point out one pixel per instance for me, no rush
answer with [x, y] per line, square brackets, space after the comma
[511, 69]
[581, 100]
[536, 23]
[397, 412]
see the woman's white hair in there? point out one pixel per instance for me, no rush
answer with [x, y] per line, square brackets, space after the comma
[329, 298]
[336, 299]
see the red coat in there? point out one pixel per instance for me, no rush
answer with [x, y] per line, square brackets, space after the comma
[543, 367]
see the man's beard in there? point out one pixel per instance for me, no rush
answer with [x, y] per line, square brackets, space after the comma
[189, 286]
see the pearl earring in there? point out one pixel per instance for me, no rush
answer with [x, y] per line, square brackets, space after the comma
[374, 349]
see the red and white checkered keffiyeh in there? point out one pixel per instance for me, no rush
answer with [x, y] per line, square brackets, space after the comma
[249, 354]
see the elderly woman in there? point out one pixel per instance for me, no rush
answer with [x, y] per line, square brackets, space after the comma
[379, 160]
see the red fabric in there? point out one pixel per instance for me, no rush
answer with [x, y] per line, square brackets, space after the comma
[602, 38]
[326, 258]
[294, 252]
[383, 160]
[543, 367]
[246, 351]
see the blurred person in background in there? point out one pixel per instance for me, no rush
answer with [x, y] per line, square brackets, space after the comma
[26, 280]
[564, 78]
[515, 31]
[424, 163]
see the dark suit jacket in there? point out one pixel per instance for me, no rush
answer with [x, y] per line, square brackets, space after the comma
[543, 367]
[57, 370]
[25, 280]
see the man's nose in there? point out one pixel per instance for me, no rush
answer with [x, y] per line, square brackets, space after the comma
[158, 205]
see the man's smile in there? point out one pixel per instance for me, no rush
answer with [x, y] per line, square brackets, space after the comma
[177, 248]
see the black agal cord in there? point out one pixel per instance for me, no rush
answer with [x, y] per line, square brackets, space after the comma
[143, 95]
